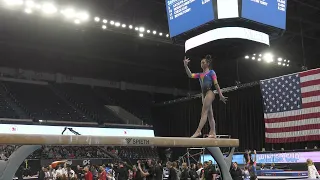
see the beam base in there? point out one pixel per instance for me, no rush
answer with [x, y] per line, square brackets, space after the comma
[223, 163]
[8, 168]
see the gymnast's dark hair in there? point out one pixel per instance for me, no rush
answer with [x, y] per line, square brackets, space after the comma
[208, 58]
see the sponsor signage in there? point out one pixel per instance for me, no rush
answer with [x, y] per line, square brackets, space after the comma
[57, 130]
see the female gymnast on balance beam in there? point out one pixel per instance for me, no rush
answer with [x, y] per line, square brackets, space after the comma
[206, 78]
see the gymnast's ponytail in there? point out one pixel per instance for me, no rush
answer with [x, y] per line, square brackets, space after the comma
[208, 58]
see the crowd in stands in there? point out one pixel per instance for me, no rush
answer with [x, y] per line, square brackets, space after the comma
[137, 152]
[73, 152]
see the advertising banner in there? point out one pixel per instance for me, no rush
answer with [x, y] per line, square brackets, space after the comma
[75, 162]
[57, 130]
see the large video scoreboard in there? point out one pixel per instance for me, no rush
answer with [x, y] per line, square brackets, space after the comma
[269, 12]
[185, 15]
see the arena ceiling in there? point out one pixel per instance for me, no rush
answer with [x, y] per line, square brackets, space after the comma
[44, 44]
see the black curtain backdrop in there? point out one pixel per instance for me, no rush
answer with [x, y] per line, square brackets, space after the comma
[241, 117]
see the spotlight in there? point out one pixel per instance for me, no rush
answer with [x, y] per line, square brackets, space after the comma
[130, 26]
[117, 24]
[38, 6]
[14, 2]
[136, 28]
[77, 21]
[83, 16]
[280, 59]
[283, 64]
[287, 64]
[104, 21]
[68, 13]
[288, 61]
[284, 60]
[253, 58]
[154, 32]
[96, 19]
[279, 63]
[148, 31]
[28, 11]
[123, 25]
[254, 54]
[260, 55]
[49, 8]
[30, 4]
[247, 57]
[141, 35]
[104, 27]
[160, 34]
[268, 57]
[259, 59]
[167, 35]
[141, 29]
[112, 22]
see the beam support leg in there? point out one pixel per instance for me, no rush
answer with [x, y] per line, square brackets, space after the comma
[223, 163]
[8, 168]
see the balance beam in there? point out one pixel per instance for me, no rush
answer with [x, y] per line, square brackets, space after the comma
[27, 139]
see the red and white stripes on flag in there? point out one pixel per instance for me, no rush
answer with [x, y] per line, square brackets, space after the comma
[292, 107]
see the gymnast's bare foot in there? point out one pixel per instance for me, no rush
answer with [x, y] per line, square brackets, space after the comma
[212, 135]
[196, 134]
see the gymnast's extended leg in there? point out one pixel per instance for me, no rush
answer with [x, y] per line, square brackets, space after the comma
[207, 103]
[212, 123]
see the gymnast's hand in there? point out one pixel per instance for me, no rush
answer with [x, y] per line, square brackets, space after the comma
[223, 99]
[186, 61]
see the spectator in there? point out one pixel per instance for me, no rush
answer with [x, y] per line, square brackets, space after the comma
[172, 172]
[136, 174]
[200, 170]
[184, 173]
[210, 172]
[102, 174]
[122, 172]
[193, 173]
[69, 172]
[42, 174]
[88, 175]
[246, 173]
[175, 167]
[236, 172]
[312, 170]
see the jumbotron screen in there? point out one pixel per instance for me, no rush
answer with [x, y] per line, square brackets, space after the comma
[184, 15]
[269, 12]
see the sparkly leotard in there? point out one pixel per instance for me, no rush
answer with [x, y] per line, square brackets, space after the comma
[206, 80]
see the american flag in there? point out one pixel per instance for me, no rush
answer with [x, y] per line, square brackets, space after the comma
[292, 107]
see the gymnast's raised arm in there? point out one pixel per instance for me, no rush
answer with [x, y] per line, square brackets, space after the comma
[189, 73]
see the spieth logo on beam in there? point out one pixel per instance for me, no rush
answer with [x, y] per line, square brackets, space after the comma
[131, 141]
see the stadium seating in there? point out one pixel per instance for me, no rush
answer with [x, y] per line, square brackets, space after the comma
[88, 101]
[71, 102]
[136, 102]
[137, 153]
[42, 103]
[6, 111]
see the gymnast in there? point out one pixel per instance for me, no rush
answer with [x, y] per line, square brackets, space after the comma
[206, 78]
